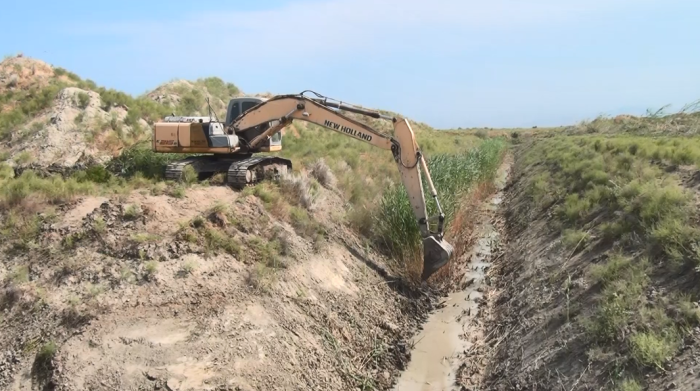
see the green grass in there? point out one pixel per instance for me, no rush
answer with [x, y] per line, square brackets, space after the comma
[591, 175]
[575, 238]
[369, 180]
[630, 385]
[453, 176]
[27, 104]
[623, 192]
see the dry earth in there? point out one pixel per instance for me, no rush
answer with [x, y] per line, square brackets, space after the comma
[131, 303]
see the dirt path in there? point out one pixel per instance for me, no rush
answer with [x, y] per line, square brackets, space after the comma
[442, 351]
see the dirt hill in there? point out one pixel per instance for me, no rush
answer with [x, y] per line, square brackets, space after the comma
[52, 117]
[210, 290]
[114, 278]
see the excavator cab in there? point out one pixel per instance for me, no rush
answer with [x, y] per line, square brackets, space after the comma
[238, 106]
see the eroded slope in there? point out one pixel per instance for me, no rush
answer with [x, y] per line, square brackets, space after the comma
[117, 294]
[598, 285]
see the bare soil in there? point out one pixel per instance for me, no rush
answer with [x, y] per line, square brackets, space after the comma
[328, 317]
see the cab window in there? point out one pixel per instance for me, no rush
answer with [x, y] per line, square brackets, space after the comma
[247, 105]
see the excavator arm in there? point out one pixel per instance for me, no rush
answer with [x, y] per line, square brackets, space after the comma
[403, 146]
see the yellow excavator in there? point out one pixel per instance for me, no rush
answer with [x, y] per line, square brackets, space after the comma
[254, 125]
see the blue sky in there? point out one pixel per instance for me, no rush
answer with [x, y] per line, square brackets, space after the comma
[450, 63]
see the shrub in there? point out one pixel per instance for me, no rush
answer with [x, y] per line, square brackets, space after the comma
[29, 104]
[300, 188]
[97, 174]
[141, 159]
[575, 239]
[323, 173]
[630, 385]
[83, 100]
[653, 349]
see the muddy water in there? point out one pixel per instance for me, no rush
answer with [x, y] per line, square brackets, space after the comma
[437, 350]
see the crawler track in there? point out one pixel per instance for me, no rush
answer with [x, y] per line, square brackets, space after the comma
[241, 171]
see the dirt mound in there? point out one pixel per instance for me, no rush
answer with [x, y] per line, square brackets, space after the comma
[169, 94]
[21, 72]
[208, 291]
[186, 97]
[52, 118]
[69, 131]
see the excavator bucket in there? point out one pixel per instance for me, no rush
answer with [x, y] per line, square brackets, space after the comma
[436, 253]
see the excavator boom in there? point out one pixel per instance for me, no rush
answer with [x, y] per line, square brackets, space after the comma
[403, 146]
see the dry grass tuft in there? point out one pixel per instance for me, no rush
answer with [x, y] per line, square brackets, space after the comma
[301, 188]
[323, 174]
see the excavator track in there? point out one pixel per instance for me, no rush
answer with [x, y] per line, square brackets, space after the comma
[201, 164]
[250, 171]
[241, 171]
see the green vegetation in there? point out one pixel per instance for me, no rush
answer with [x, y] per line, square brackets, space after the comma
[150, 269]
[47, 352]
[83, 100]
[140, 160]
[218, 88]
[362, 172]
[594, 175]
[453, 176]
[627, 193]
[22, 105]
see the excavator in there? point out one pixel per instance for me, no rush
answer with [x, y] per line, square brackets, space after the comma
[254, 125]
